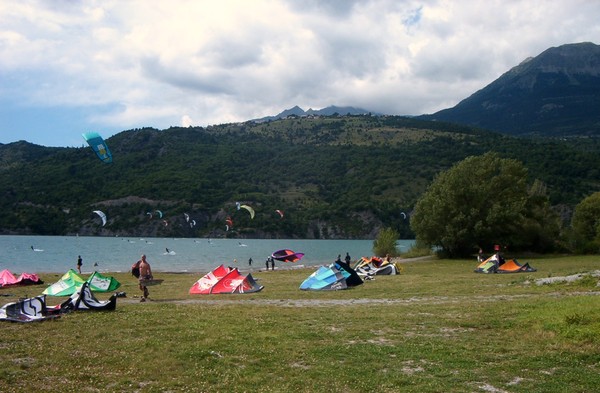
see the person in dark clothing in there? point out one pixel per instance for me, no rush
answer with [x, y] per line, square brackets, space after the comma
[499, 255]
[272, 263]
[348, 259]
[79, 263]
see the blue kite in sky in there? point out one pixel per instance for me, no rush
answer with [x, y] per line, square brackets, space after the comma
[98, 145]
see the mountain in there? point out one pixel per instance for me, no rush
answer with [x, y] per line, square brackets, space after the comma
[328, 111]
[333, 176]
[556, 93]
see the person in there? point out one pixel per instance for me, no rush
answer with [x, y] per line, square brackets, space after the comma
[267, 262]
[250, 261]
[339, 259]
[480, 256]
[145, 274]
[167, 250]
[79, 263]
[348, 259]
[499, 255]
[272, 263]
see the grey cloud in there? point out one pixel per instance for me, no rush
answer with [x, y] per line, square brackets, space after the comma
[205, 82]
[330, 7]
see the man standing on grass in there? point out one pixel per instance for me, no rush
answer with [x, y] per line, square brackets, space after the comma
[145, 274]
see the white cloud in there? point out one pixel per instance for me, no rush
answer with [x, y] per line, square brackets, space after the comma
[186, 121]
[163, 63]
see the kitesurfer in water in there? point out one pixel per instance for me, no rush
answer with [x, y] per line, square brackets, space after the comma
[145, 274]
[79, 263]
[250, 262]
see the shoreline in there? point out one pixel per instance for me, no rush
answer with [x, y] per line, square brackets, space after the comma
[247, 269]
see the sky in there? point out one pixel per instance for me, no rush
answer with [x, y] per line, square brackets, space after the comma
[69, 67]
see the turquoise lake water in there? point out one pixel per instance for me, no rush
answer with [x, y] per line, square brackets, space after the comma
[57, 254]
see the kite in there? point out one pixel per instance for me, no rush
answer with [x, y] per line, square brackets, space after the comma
[287, 255]
[160, 214]
[225, 280]
[250, 210]
[279, 212]
[98, 145]
[102, 216]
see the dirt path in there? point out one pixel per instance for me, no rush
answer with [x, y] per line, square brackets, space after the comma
[432, 300]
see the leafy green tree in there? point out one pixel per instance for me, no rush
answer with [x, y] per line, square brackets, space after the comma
[385, 243]
[586, 224]
[476, 203]
[541, 225]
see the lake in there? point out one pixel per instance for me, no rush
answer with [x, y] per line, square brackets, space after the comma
[57, 254]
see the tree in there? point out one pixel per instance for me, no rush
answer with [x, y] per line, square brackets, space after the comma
[385, 243]
[477, 203]
[541, 225]
[586, 224]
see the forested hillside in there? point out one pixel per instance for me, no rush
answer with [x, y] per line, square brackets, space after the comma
[333, 177]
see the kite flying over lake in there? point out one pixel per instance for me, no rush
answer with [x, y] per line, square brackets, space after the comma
[98, 145]
[102, 216]
[250, 210]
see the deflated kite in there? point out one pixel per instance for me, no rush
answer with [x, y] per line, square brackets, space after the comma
[225, 280]
[287, 255]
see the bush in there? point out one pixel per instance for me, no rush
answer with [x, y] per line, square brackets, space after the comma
[385, 243]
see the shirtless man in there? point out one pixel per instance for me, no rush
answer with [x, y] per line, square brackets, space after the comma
[145, 274]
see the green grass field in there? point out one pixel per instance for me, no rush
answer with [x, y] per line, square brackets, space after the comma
[437, 327]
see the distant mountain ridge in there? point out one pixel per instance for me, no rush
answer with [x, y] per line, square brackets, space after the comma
[556, 93]
[328, 111]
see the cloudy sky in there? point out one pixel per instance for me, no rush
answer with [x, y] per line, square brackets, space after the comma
[68, 67]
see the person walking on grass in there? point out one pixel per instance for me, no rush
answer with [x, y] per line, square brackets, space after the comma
[145, 274]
